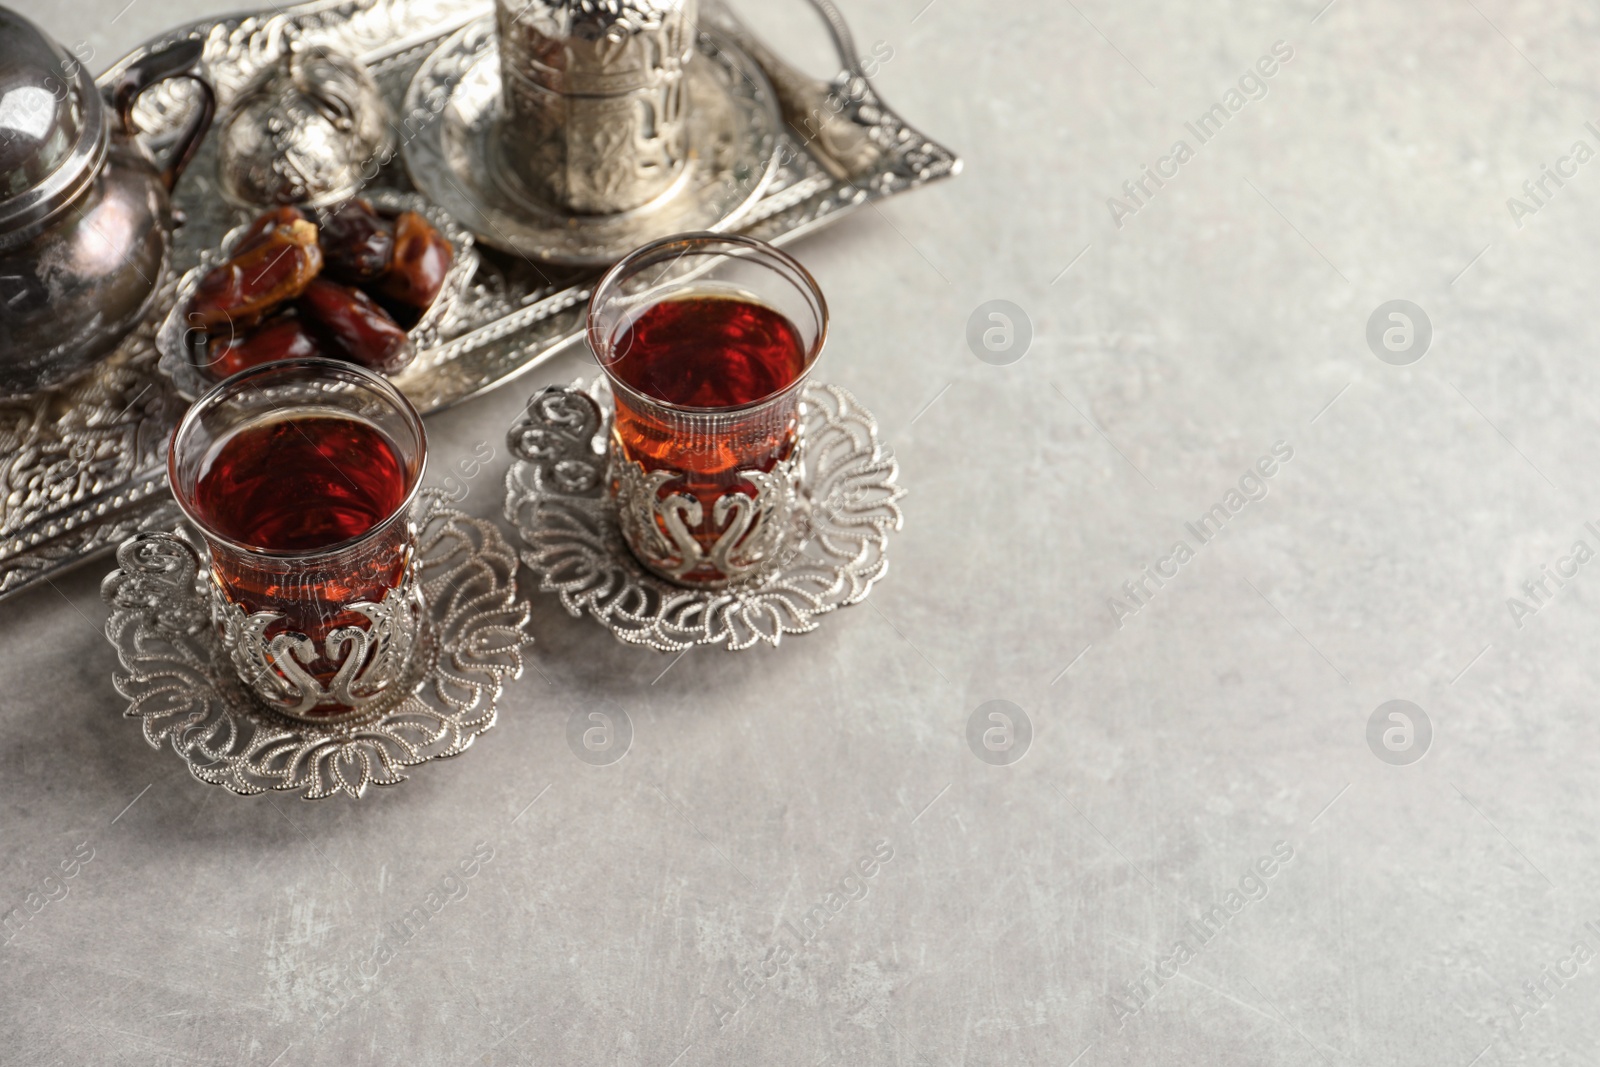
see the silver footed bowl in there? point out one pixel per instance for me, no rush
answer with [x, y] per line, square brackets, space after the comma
[307, 132]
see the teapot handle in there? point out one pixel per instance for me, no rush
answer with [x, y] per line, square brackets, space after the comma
[177, 60]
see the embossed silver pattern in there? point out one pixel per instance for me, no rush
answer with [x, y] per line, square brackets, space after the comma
[181, 685]
[374, 661]
[557, 499]
[305, 133]
[80, 465]
[593, 100]
[656, 522]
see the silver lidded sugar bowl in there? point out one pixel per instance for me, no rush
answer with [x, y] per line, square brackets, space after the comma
[312, 130]
[594, 100]
[85, 208]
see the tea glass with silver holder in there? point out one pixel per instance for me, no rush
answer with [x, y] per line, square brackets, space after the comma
[323, 633]
[705, 490]
[706, 494]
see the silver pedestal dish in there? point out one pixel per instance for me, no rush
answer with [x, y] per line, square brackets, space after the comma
[731, 127]
[82, 463]
[181, 684]
[557, 499]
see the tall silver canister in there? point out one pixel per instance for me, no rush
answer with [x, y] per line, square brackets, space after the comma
[594, 99]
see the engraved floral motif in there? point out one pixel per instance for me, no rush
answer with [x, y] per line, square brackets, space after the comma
[593, 97]
[466, 164]
[74, 457]
[849, 503]
[181, 685]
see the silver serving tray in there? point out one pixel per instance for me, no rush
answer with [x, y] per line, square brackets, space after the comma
[81, 466]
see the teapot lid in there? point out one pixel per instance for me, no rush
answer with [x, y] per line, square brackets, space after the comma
[52, 124]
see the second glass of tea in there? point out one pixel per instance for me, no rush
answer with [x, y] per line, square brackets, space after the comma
[301, 476]
[706, 340]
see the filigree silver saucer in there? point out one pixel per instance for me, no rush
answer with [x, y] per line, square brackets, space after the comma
[182, 687]
[733, 125]
[557, 499]
[174, 338]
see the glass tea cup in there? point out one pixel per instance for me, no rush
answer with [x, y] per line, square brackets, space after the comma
[707, 340]
[301, 477]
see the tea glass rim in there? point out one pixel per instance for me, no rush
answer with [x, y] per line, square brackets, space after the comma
[702, 238]
[230, 384]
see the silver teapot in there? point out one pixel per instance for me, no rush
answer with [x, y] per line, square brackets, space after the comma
[85, 208]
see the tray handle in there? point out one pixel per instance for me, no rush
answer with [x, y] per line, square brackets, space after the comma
[810, 106]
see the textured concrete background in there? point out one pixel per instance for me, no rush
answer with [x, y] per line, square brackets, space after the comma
[1049, 911]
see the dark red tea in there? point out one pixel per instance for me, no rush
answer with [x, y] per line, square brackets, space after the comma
[707, 352]
[298, 485]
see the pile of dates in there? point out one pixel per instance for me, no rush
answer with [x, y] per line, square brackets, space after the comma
[345, 286]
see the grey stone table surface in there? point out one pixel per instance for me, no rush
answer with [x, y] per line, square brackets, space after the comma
[1220, 846]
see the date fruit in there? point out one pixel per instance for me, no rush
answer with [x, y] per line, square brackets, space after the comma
[247, 288]
[358, 327]
[280, 337]
[357, 242]
[278, 218]
[347, 286]
[422, 258]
